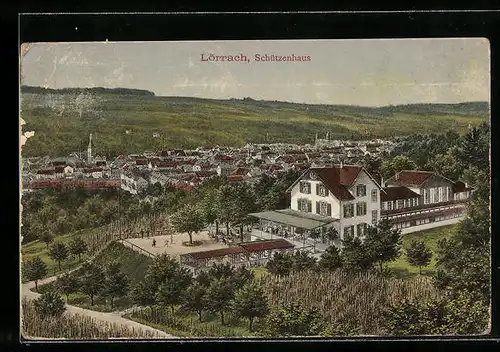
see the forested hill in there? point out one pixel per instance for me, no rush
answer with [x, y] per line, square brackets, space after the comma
[124, 120]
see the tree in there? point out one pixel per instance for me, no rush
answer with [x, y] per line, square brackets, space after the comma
[302, 260]
[92, 280]
[169, 294]
[46, 237]
[250, 302]
[188, 219]
[49, 304]
[77, 247]
[116, 283]
[143, 293]
[196, 299]
[292, 319]
[330, 234]
[280, 264]
[399, 163]
[58, 252]
[330, 259]
[243, 203]
[242, 276]
[418, 255]
[354, 255]
[383, 242]
[209, 207]
[67, 284]
[220, 293]
[34, 269]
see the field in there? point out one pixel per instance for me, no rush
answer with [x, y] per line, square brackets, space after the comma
[125, 123]
[430, 238]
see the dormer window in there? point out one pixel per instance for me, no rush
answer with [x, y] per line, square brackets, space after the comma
[360, 190]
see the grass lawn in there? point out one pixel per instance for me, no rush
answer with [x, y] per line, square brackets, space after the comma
[187, 324]
[259, 271]
[430, 237]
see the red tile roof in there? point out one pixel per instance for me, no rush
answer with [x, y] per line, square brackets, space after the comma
[205, 173]
[395, 193]
[336, 179]
[45, 172]
[410, 178]
[141, 162]
[460, 186]
[215, 253]
[166, 163]
[259, 246]
[235, 178]
[240, 171]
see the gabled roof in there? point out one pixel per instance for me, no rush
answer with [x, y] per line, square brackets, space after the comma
[396, 193]
[337, 179]
[412, 178]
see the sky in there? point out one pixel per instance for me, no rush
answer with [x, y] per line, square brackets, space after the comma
[355, 72]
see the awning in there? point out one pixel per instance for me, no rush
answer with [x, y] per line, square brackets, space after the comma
[294, 218]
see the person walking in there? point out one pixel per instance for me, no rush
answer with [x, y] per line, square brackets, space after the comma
[154, 242]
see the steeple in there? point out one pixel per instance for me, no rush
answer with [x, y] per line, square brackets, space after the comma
[89, 149]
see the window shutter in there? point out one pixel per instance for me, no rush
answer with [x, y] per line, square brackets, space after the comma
[317, 189]
[309, 203]
[329, 211]
[298, 204]
[317, 207]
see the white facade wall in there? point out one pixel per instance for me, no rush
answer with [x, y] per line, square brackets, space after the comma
[295, 195]
[432, 225]
[363, 179]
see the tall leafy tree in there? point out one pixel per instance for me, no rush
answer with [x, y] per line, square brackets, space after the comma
[220, 293]
[188, 219]
[169, 294]
[280, 264]
[330, 259]
[67, 284]
[46, 237]
[92, 280]
[399, 163]
[418, 255]
[58, 252]
[34, 269]
[250, 302]
[383, 242]
[77, 247]
[49, 304]
[116, 283]
[195, 299]
[354, 255]
[302, 260]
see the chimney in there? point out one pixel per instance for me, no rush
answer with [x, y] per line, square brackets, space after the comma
[341, 164]
[382, 181]
[397, 176]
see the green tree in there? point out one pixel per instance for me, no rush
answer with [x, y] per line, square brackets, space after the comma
[209, 207]
[188, 219]
[302, 260]
[67, 284]
[77, 247]
[220, 293]
[49, 304]
[330, 259]
[242, 276]
[280, 264]
[34, 269]
[292, 319]
[92, 280]
[170, 294]
[195, 299]
[250, 302]
[418, 255]
[399, 163]
[116, 283]
[354, 255]
[143, 293]
[58, 252]
[383, 242]
[46, 237]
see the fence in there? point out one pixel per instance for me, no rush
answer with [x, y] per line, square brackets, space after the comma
[137, 248]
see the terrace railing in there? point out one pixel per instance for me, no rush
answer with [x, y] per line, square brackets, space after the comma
[137, 248]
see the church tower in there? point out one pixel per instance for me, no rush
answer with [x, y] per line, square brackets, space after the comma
[89, 149]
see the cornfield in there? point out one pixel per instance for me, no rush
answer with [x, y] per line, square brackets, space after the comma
[188, 327]
[358, 299]
[74, 327]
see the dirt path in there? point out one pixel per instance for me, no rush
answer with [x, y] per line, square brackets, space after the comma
[114, 317]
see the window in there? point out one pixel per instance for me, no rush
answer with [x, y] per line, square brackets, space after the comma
[321, 190]
[441, 194]
[361, 209]
[415, 201]
[349, 231]
[374, 195]
[374, 217]
[305, 187]
[427, 196]
[361, 190]
[361, 229]
[348, 210]
[447, 196]
[400, 203]
[304, 205]
[324, 208]
[389, 205]
[433, 195]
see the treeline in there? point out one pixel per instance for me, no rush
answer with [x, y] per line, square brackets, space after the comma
[95, 90]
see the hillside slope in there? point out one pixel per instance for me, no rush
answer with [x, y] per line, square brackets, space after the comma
[62, 120]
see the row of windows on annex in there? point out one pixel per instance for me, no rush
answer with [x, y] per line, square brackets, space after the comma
[437, 195]
[400, 204]
[417, 222]
[321, 190]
